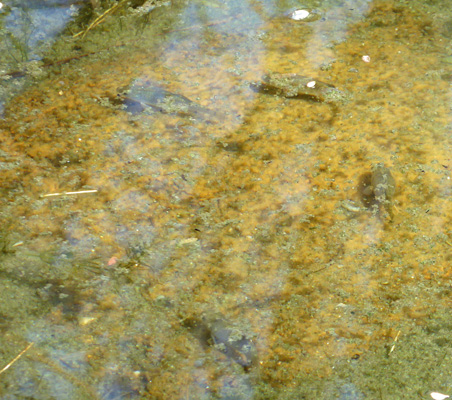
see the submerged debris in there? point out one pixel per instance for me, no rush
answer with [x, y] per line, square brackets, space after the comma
[351, 206]
[297, 86]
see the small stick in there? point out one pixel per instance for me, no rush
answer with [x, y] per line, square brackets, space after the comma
[16, 358]
[99, 19]
[65, 193]
[317, 270]
[395, 341]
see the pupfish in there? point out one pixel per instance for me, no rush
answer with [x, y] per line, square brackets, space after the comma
[139, 98]
[230, 341]
[298, 86]
[213, 329]
[383, 187]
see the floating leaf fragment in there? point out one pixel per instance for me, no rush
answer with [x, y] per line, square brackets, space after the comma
[298, 15]
[304, 15]
[438, 396]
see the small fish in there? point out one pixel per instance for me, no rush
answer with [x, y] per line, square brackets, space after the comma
[298, 86]
[230, 341]
[379, 190]
[139, 98]
[212, 329]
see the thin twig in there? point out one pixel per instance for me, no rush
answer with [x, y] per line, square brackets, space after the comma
[100, 18]
[16, 358]
[68, 193]
[395, 341]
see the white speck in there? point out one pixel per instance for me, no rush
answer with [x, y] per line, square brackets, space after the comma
[1, 6]
[86, 320]
[438, 396]
[298, 15]
[366, 58]
[188, 240]
[311, 84]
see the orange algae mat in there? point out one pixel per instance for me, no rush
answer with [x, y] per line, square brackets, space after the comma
[244, 215]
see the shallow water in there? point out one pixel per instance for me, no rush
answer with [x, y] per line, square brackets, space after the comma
[222, 242]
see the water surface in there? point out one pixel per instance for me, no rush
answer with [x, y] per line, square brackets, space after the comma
[170, 232]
